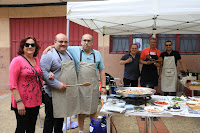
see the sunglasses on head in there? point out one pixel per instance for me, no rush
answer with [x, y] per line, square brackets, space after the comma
[28, 44]
[168, 45]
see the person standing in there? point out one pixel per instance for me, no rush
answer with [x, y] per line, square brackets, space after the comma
[26, 93]
[89, 65]
[168, 71]
[131, 69]
[61, 64]
[149, 73]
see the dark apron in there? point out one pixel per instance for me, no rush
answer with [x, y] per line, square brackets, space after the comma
[149, 74]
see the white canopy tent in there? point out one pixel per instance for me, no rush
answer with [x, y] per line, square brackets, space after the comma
[116, 17]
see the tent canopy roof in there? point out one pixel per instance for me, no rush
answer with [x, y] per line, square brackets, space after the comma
[115, 17]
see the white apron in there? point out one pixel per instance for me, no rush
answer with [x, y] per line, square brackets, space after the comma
[169, 75]
[89, 95]
[65, 102]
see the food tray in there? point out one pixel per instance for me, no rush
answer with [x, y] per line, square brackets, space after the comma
[134, 88]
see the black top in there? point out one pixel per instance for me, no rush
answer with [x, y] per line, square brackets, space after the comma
[176, 55]
[131, 70]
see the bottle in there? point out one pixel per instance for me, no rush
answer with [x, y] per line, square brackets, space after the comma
[107, 89]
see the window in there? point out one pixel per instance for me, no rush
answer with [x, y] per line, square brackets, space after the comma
[162, 38]
[120, 43]
[184, 43]
[189, 43]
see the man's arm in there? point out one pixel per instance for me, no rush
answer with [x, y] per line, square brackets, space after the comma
[183, 65]
[45, 63]
[123, 62]
[145, 62]
[103, 80]
[48, 48]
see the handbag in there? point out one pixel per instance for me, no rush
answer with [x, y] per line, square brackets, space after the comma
[44, 94]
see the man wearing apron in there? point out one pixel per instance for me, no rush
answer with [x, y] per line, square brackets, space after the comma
[58, 102]
[149, 73]
[88, 63]
[169, 72]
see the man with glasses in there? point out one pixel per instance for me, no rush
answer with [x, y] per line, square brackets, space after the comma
[131, 69]
[55, 62]
[89, 64]
[169, 72]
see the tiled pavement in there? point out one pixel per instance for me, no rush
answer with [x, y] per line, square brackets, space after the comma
[158, 126]
[2, 92]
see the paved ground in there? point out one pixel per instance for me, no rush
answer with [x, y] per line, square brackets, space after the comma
[123, 124]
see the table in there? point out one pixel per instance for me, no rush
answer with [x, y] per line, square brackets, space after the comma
[149, 116]
[192, 88]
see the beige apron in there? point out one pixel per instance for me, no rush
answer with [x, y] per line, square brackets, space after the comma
[65, 102]
[169, 75]
[89, 95]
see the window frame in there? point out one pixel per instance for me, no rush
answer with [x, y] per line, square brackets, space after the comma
[177, 47]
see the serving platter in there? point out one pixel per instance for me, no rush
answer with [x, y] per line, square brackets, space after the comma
[161, 103]
[154, 109]
[129, 91]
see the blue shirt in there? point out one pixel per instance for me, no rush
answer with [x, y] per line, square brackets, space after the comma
[75, 52]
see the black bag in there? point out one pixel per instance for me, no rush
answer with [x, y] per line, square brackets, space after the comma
[38, 79]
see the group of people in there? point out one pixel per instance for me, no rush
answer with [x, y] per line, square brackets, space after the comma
[63, 65]
[59, 67]
[152, 59]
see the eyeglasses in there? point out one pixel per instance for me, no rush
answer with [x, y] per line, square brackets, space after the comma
[62, 41]
[87, 40]
[168, 45]
[28, 44]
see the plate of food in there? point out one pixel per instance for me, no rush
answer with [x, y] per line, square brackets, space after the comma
[154, 109]
[177, 99]
[161, 103]
[174, 108]
[192, 102]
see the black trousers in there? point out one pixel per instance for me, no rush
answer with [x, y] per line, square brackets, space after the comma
[127, 83]
[26, 123]
[50, 122]
[172, 93]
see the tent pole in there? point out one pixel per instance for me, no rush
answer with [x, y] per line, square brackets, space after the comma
[103, 47]
[68, 30]
[67, 34]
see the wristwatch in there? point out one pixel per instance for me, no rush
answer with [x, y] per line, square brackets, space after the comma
[17, 101]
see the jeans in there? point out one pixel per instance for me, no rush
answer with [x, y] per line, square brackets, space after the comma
[50, 122]
[133, 83]
[26, 123]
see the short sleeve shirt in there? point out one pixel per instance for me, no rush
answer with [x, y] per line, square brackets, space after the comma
[147, 51]
[75, 52]
[131, 70]
[23, 78]
[176, 55]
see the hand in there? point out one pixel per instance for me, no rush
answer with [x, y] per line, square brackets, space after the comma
[47, 49]
[129, 60]
[103, 91]
[159, 77]
[148, 62]
[51, 76]
[62, 86]
[21, 108]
